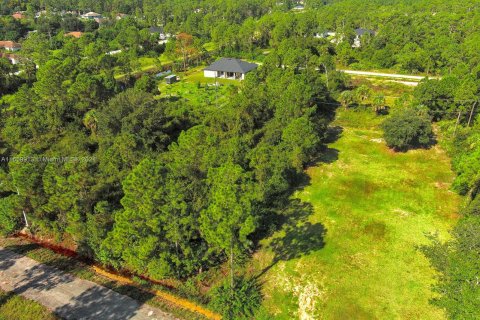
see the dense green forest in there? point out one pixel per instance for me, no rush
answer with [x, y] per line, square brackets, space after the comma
[97, 158]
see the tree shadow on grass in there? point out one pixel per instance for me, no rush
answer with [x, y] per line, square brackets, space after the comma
[298, 236]
[333, 134]
[326, 154]
[290, 217]
[329, 155]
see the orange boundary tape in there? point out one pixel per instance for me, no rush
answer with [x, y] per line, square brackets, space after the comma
[184, 303]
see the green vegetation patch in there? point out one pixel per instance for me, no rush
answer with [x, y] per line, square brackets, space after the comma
[13, 306]
[376, 207]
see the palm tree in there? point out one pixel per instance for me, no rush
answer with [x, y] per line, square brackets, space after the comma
[363, 93]
[378, 102]
[90, 121]
[346, 98]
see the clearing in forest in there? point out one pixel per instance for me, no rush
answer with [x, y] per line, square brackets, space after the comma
[348, 250]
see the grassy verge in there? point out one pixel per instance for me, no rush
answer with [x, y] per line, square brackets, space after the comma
[16, 307]
[140, 290]
[350, 251]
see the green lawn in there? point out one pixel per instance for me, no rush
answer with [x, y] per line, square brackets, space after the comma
[16, 307]
[198, 90]
[350, 251]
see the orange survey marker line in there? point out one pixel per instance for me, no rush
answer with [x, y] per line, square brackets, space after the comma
[184, 303]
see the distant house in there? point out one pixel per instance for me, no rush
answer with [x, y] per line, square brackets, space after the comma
[19, 15]
[120, 16]
[229, 68]
[325, 35]
[171, 79]
[298, 7]
[75, 34]
[91, 16]
[14, 59]
[40, 13]
[160, 31]
[10, 45]
[114, 52]
[359, 33]
[163, 74]
[162, 36]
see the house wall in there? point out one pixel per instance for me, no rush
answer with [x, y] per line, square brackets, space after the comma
[209, 74]
[357, 42]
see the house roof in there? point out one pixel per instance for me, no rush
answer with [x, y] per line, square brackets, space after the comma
[92, 14]
[76, 34]
[298, 7]
[361, 31]
[8, 55]
[18, 15]
[9, 44]
[231, 65]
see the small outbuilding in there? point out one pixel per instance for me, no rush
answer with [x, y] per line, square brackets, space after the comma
[91, 16]
[359, 33]
[229, 68]
[171, 79]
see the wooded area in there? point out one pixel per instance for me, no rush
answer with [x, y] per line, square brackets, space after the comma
[98, 158]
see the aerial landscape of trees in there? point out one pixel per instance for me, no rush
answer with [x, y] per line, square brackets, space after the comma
[97, 157]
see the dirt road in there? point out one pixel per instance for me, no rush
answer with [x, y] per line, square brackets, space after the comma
[385, 75]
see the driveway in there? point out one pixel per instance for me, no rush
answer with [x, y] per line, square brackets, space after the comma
[68, 296]
[386, 75]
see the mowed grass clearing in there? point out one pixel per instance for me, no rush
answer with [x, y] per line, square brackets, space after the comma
[375, 207]
[13, 306]
[198, 90]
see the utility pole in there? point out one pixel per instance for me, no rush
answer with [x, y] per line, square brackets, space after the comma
[23, 211]
[471, 113]
[456, 124]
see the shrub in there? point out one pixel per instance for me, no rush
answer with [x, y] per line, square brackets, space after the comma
[241, 302]
[407, 129]
[474, 207]
[10, 217]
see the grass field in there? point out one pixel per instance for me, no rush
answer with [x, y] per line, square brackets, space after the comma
[349, 251]
[14, 307]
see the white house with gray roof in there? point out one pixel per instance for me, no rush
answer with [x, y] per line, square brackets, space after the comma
[229, 68]
[359, 33]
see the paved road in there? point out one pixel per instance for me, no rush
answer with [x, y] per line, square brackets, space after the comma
[66, 295]
[385, 75]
